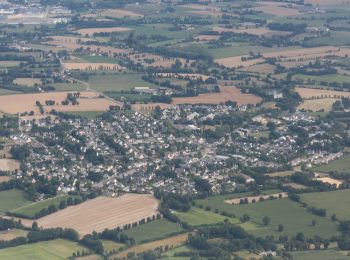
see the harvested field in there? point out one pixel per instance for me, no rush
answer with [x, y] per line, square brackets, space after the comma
[20, 103]
[92, 31]
[92, 66]
[278, 10]
[9, 165]
[30, 82]
[257, 198]
[170, 241]
[103, 212]
[261, 68]
[12, 233]
[236, 62]
[330, 181]
[227, 93]
[311, 93]
[119, 13]
[202, 7]
[318, 104]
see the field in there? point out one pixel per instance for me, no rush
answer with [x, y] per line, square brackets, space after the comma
[4, 178]
[88, 101]
[30, 82]
[325, 2]
[103, 212]
[9, 165]
[54, 250]
[235, 62]
[338, 78]
[111, 245]
[277, 10]
[336, 202]
[226, 94]
[118, 82]
[119, 13]
[170, 241]
[254, 31]
[12, 199]
[308, 93]
[256, 198]
[30, 210]
[8, 64]
[320, 254]
[154, 230]
[92, 31]
[281, 211]
[318, 104]
[12, 233]
[341, 164]
[91, 66]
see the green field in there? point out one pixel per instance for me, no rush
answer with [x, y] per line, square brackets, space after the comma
[154, 230]
[320, 254]
[68, 87]
[118, 82]
[335, 202]
[337, 78]
[88, 114]
[111, 245]
[8, 91]
[293, 216]
[98, 59]
[12, 199]
[339, 165]
[53, 250]
[33, 208]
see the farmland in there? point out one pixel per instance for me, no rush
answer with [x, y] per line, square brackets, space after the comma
[12, 234]
[318, 104]
[103, 212]
[92, 31]
[9, 165]
[309, 93]
[12, 199]
[339, 165]
[335, 202]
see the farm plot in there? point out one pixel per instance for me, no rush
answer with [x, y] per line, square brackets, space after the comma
[227, 93]
[320, 254]
[12, 199]
[324, 2]
[9, 165]
[238, 62]
[103, 212]
[252, 199]
[338, 165]
[311, 93]
[92, 66]
[278, 10]
[92, 31]
[331, 78]
[30, 82]
[12, 234]
[318, 104]
[119, 13]
[335, 202]
[88, 101]
[254, 31]
[9, 64]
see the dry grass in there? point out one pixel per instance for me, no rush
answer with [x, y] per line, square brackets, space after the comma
[9, 165]
[30, 82]
[170, 241]
[318, 104]
[92, 66]
[91, 31]
[280, 174]
[227, 93]
[311, 93]
[257, 198]
[103, 212]
[330, 181]
[4, 178]
[12, 234]
[19, 103]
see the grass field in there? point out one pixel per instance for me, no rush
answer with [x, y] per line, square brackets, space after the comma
[12, 233]
[111, 245]
[88, 114]
[118, 82]
[318, 104]
[338, 78]
[335, 202]
[53, 250]
[154, 230]
[320, 254]
[341, 164]
[281, 211]
[33, 208]
[12, 199]
[196, 216]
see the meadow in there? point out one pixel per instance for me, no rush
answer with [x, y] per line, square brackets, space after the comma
[12, 199]
[331, 78]
[153, 230]
[335, 202]
[338, 165]
[320, 254]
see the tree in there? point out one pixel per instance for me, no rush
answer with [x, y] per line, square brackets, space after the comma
[157, 113]
[313, 223]
[280, 228]
[266, 221]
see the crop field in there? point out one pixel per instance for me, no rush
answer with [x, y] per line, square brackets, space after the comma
[337, 78]
[92, 66]
[118, 82]
[335, 202]
[338, 165]
[330, 181]
[308, 93]
[19, 103]
[256, 198]
[12, 234]
[227, 93]
[325, 2]
[31, 209]
[281, 211]
[30, 82]
[320, 254]
[9, 165]
[261, 68]
[12, 199]
[58, 249]
[109, 245]
[103, 212]
[278, 10]
[170, 241]
[8, 63]
[235, 62]
[154, 230]
[119, 13]
[92, 31]
[254, 31]
[318, 104]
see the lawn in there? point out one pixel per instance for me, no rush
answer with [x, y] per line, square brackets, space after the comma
[118, 82]
[53, 250]
[154, 230]
[319, 254]
[292, 215]
[335, 202]
[12, 199]
[30, 210]
[341, 164]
